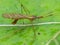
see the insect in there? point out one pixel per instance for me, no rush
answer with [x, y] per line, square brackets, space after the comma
[17, 17]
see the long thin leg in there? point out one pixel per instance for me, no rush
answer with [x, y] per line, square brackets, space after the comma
[25, 9]
[34, 37]
[22, 12]
[49, 14]
[15, 21]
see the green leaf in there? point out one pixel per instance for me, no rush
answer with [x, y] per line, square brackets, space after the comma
[30, 35]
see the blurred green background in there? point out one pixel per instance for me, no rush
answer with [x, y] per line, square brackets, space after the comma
[25, 35]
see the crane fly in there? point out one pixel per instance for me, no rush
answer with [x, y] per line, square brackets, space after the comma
[17, 17]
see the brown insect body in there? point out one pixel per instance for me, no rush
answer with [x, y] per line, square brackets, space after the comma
[16, 17]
